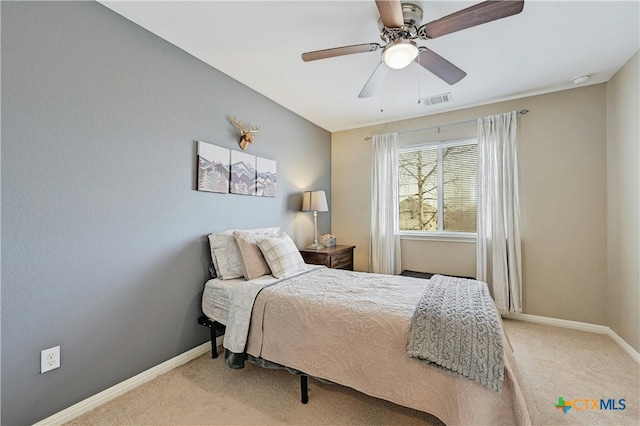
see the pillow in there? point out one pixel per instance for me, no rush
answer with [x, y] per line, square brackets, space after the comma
[235, 255]
[252, 261]
[281, 255]
[227, 256]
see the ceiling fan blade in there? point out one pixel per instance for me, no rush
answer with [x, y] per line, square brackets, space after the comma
[439, 66]
[470, 17]
[390, 13]
[375, 81]
[339, 51]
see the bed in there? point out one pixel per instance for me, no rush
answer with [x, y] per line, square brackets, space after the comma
[353, 329]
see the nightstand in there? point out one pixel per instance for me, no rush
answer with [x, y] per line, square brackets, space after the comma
[335, 257]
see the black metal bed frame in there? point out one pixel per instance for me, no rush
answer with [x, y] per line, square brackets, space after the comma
[217, 327]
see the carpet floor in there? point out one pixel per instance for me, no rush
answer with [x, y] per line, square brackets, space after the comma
[554, 362]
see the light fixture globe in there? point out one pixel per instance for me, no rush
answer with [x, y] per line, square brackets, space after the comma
[400, 53]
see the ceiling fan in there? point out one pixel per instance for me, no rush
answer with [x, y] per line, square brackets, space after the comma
[399, 25]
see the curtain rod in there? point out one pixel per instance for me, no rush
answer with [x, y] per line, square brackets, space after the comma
[459, 123]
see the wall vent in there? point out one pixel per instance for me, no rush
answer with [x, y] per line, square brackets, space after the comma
[436, 100]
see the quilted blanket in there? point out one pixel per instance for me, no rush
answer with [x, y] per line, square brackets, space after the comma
[352, 328]
[456, 327]
[240, 306]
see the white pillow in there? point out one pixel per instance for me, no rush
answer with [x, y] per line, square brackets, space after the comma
[281, 255]
[227, 255]
[229, 251]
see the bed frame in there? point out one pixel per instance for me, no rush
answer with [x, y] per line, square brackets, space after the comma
[217, 329]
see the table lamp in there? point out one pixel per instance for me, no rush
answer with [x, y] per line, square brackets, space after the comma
[314, 201]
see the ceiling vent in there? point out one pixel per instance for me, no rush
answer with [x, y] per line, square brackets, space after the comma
[436, 100]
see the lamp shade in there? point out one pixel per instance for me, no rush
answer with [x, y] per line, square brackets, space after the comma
[314, 201]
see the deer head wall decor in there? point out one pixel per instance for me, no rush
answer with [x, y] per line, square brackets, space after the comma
[247, 135]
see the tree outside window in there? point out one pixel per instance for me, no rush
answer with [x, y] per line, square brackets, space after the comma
[437, 187]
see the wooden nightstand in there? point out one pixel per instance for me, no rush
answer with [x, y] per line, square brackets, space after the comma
[336, 257]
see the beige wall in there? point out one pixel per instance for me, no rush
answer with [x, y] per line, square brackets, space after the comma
[436, 256]
[562, 159]
[623, 175]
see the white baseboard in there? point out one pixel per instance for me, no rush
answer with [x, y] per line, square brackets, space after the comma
[582, 326]
[129, 384]
[624, 345]
[135, 381]
[575, 325]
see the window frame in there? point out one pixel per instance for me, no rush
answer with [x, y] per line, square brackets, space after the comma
[439, 235]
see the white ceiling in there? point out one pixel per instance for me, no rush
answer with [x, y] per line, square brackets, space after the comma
[259, 43]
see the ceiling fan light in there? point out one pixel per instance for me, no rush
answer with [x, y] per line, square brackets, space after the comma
[400, 53]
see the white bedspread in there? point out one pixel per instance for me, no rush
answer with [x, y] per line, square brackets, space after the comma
[352, 328]
[241, 301]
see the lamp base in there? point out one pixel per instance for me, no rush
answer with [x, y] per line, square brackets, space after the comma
[315, 246]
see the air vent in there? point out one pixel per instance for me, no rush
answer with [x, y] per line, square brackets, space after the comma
[436, 100]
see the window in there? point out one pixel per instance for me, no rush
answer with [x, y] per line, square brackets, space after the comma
[437, 188]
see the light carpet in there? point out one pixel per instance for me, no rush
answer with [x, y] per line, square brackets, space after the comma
[554, 362]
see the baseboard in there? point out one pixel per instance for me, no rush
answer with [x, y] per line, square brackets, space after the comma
[129, 384]
[625, 346]
[582, 326]
[575, 325]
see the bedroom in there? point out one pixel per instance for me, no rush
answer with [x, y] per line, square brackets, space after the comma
[113, 271]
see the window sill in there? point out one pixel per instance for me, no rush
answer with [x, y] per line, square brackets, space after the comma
[462, 237]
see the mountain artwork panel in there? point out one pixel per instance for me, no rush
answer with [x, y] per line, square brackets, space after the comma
[243, 173]
[213, 168]
[266, 177]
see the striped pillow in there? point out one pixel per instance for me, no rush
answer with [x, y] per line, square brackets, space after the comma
[281, 255]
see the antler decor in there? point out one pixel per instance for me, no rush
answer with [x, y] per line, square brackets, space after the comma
[247, 135]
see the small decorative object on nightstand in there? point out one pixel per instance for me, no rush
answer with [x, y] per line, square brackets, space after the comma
[327, 240]
[336, 257]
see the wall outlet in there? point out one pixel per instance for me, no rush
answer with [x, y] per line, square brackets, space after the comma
[49, 359]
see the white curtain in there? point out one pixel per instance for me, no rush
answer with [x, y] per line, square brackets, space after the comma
[499, 259]
[385, 239]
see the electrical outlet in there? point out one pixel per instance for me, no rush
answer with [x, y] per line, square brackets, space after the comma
[49, 359]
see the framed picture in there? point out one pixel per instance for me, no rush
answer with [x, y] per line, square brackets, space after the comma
[243, 173]
[213, 168]
[266, 177]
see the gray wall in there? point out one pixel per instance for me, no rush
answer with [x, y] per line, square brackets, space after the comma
[104, 246]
